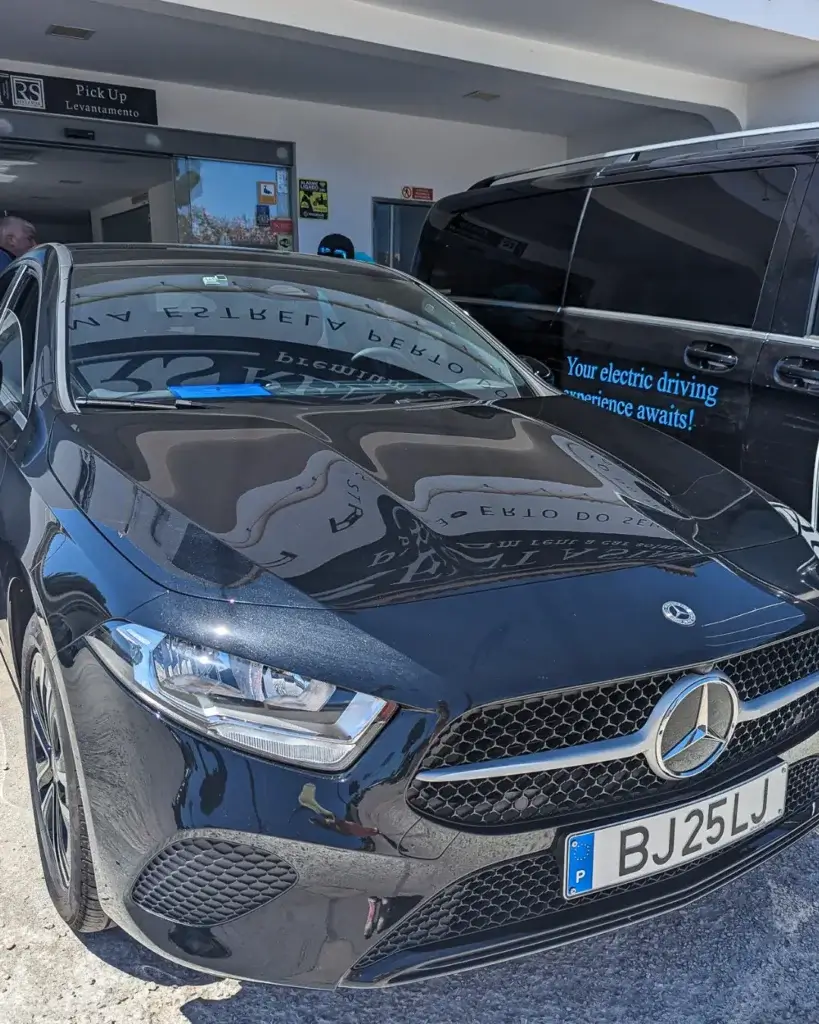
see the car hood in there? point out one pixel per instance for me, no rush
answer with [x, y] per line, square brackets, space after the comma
[353, 507]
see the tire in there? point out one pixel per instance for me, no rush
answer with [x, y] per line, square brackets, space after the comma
[59, 819]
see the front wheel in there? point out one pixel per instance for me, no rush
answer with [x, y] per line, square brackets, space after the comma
[58, 814]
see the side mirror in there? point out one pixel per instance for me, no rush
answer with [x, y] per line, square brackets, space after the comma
[540, 369]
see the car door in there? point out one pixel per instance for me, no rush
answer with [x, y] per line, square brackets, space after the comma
[666, 296]
[782, 447]
[18, 332]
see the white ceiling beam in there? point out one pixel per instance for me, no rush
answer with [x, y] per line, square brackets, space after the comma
[361, 27]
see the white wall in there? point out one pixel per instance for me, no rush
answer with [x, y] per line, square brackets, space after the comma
[162, 200]
[99, 213]
[786, 99]
[361, 153]
[663, 127]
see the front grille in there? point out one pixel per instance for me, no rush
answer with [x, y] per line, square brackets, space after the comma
[202, 882]
[509, 894]
[537, 724]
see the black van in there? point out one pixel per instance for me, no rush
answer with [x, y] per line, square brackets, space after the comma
[676, 284]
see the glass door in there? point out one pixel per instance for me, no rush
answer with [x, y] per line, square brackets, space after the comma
[221, 202]
[85, 195]
[396, 229]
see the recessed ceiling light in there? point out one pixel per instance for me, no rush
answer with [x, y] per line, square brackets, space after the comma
[68, 32]
[486, 97]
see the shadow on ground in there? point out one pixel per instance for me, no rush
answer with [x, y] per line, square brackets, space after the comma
[119, 950]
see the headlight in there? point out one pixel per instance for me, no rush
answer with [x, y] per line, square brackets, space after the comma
[269, 711]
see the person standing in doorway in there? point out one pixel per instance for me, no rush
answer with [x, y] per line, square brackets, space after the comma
[17, 236]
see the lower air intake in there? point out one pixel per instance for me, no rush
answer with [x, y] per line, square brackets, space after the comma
[490, 904]
[203, 882]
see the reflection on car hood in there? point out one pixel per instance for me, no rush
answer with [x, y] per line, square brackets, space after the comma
[356, 506]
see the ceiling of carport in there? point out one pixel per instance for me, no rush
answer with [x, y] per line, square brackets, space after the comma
[160, 47]
[639, 29]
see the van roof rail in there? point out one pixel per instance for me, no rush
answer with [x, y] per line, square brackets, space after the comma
[735, 140]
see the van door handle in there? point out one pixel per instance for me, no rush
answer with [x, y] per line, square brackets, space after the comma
[710, 357]
[801, 374]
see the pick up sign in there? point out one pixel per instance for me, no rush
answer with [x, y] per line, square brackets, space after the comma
[74, 97]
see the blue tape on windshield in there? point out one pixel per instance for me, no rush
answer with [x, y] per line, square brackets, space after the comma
[220, 391]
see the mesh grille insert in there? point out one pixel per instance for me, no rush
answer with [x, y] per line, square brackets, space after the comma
[514, 892]
[537, 724]
[202, 882]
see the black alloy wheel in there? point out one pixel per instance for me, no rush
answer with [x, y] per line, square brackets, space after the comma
[59, 819]
[49, 768]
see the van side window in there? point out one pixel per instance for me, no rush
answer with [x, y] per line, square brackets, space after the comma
[515, 250]
[691, 247]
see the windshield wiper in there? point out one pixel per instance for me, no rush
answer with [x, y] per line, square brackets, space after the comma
[135, 403]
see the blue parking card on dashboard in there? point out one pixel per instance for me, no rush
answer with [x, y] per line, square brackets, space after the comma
[579, 864]
[220, 391]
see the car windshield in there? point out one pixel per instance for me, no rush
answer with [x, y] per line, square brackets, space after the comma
[244, 329]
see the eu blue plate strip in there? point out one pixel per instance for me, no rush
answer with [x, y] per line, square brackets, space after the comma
[580, 864]
[220, 391]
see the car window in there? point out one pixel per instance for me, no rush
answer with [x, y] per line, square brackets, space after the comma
[6, 281]
[514, 251]
[26, 304]
[341, 332]
[11, 362]
[692, 247]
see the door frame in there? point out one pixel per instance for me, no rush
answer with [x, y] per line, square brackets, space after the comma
[97, 136]
[393, 202]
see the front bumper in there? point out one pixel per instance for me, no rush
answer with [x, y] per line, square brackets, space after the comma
[243, 867]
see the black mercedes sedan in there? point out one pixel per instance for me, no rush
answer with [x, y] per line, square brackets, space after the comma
[352, 653]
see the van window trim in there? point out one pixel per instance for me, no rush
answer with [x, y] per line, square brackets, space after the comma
[570, 262]
[465, 300]
[613, 315]
[674, 323]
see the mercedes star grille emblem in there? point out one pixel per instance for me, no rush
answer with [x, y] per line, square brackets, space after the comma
[695, 722]
[679, 614]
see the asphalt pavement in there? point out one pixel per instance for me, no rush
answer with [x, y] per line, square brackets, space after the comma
[747, 955]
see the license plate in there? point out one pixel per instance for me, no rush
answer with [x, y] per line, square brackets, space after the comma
[647, 846]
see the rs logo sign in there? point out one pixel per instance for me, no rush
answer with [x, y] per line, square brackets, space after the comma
[27, 93]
